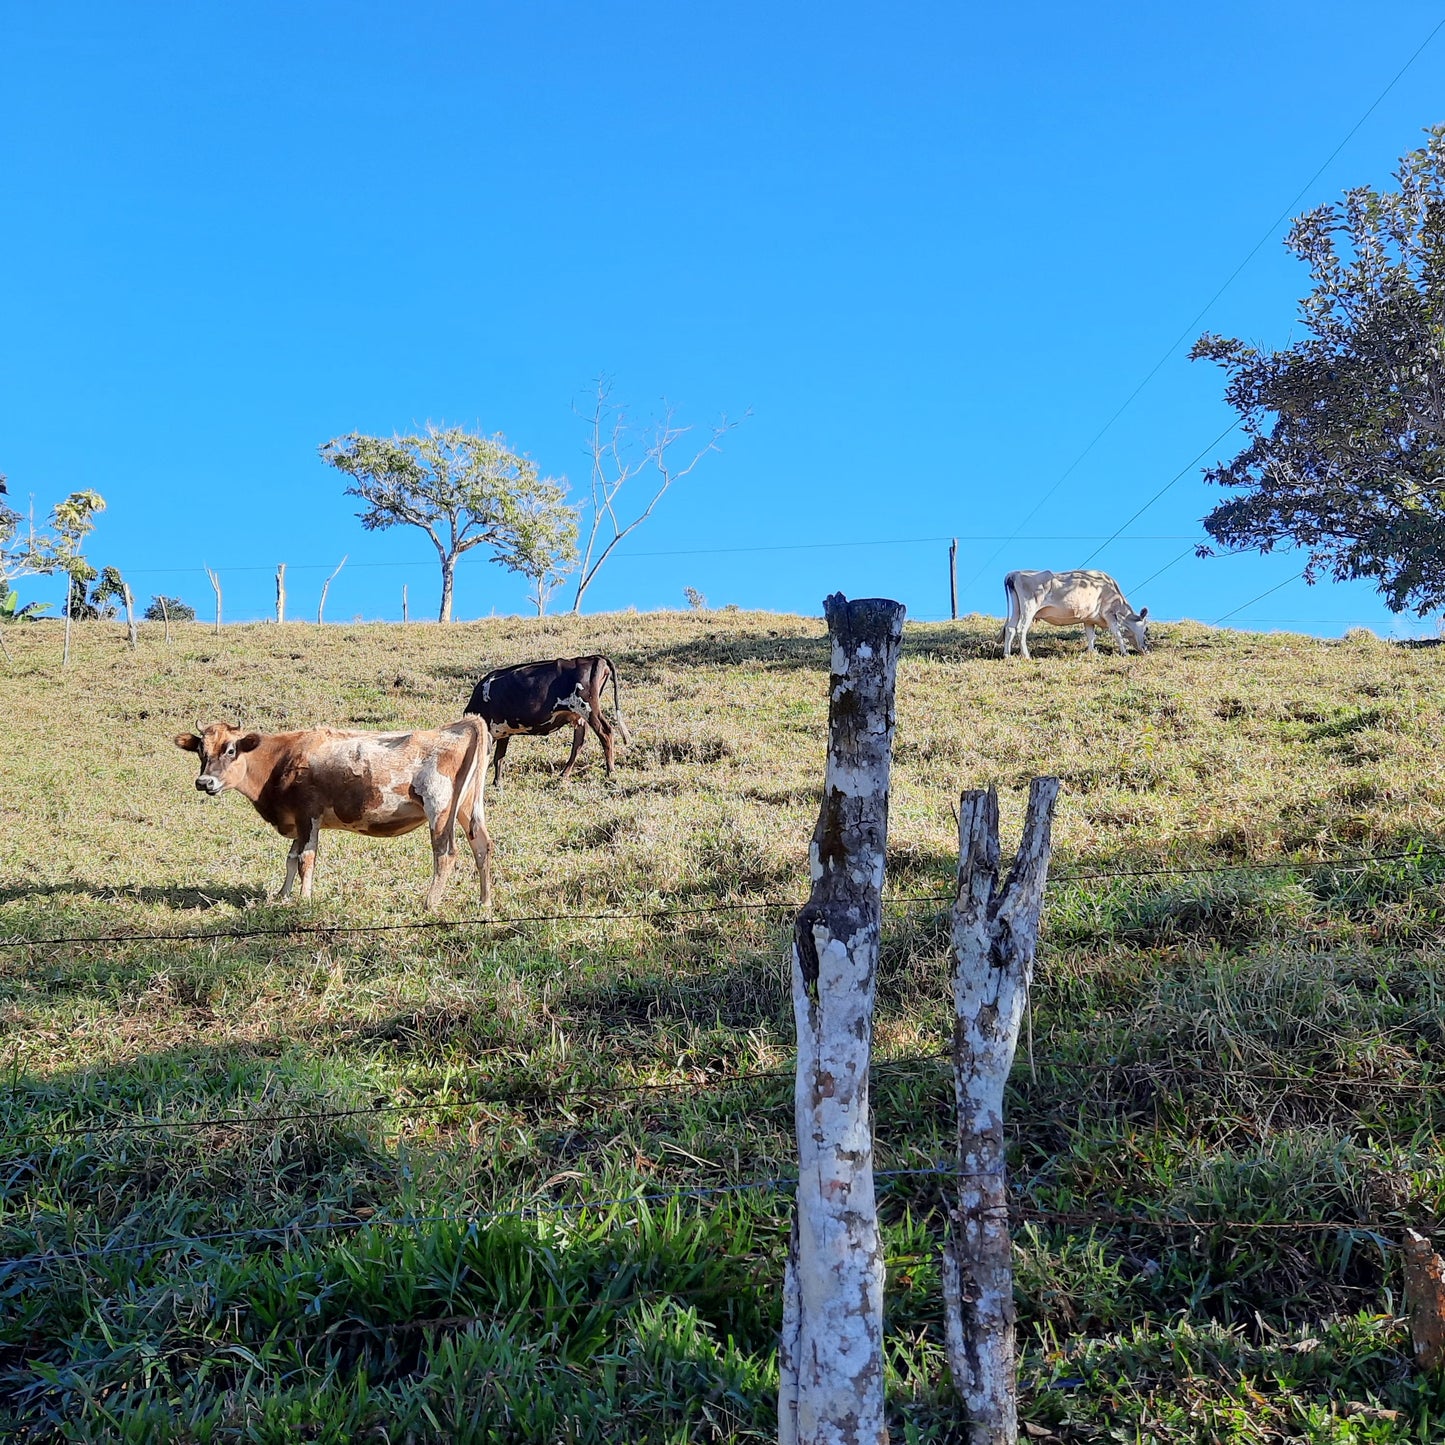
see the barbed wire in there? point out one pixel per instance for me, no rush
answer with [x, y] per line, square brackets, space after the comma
[703, 909]
[535, 1208]
[1020, 1212]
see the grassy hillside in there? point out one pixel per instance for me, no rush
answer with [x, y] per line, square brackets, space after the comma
[1248, 1046]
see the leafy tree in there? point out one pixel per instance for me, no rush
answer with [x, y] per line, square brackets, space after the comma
[1346, 427]
[462, 489]
[61, 549]
[162, 607]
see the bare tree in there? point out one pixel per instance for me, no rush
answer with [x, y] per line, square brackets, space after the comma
[619, 453]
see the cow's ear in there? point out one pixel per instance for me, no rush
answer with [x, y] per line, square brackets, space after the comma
[189, 741]
[248, 743]
[1143, 613]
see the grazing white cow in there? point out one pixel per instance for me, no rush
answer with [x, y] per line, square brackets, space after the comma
[1068, 599]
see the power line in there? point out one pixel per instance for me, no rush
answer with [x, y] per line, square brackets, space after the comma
[1267, 592]
[1172, 480]
[1228, 282]
[680, 552]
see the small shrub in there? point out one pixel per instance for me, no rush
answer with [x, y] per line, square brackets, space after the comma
[695, 599]
[178, 611]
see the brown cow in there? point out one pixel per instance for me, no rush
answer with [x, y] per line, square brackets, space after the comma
[377, 784]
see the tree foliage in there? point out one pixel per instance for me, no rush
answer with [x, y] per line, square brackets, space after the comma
[161, 608]
[463, 490]
[1346, 427]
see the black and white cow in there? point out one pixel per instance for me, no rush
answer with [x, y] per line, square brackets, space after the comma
[534, 698]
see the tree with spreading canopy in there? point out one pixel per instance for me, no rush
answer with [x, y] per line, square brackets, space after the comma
[1346, 427]
[463, 490]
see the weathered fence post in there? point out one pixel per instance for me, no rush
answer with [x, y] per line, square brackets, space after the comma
[216, 584]
[129, 613]
[953, 579]
[405, 617]
[325, 588]
[165, 617]
[69, 596]
[1425, 1300]
[831, 1352]
[280, 593]
[994, 935]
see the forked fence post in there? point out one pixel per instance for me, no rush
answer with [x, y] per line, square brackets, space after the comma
[830, 1356]
[216, 586]
[995, 932]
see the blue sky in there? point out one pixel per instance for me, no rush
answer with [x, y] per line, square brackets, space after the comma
[933, 249]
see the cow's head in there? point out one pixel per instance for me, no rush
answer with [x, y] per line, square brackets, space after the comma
[222, 749]
[1138, 629]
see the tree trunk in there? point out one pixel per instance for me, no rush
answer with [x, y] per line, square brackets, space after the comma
[831, 1351]
[449, 572]
[280, 593]
[994, 936]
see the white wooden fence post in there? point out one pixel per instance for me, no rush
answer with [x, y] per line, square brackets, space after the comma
[129, 614]
[831, 1351]
[216, 585]
[995, 932]
[325, 588]
[280, 593]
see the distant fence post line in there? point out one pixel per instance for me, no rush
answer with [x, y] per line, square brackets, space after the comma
[280, 593]
[830, 1356]
[216, 584]
[995, 933]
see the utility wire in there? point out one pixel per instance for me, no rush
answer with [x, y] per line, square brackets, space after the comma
[1229, 280]
[1267, 592]
[1183, 471]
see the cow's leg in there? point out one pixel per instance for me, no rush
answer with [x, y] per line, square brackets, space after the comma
[307, 856]
[499, 751]
[1118, 637]
[474, 824]
[292, 858]
[579, 736]
[1026, 620]
[1089, 637]
[443, 848]
[603, 729]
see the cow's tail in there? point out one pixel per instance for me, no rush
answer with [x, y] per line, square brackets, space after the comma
[474, 765]
[1010, 601]
[617, 718]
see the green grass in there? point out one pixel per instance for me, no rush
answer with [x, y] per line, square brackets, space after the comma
[444, 1276]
